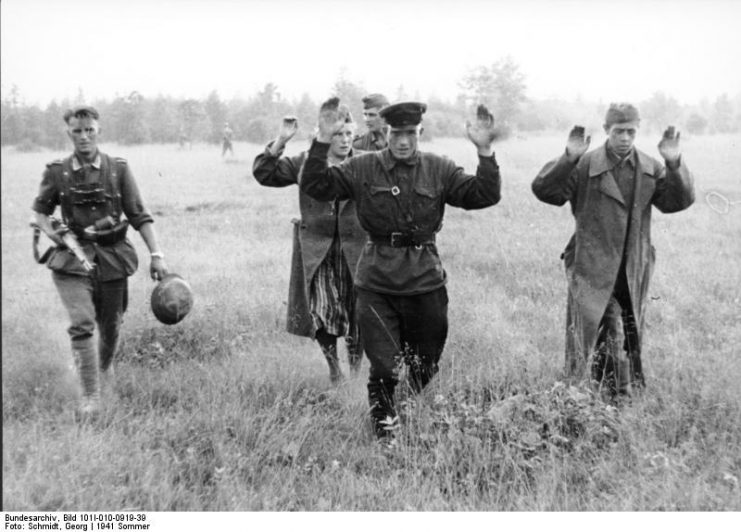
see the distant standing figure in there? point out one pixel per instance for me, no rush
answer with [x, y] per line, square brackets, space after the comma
[227, 135]
[375, 138]
[327, 242]
[609, 259]
[95, 191]
[183, 139]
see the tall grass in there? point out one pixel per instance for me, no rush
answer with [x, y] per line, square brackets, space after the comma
[226, 411]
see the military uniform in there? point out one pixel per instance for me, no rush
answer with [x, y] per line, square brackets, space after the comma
[609, 260]
[402, 300]
[87, 194]
[227, 141]
[370, 141]
[327, 242]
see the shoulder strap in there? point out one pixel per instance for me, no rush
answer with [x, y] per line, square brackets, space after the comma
[115, 166]
[64, 177]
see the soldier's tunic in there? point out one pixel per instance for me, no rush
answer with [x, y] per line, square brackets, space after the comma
[327, 242]
[402, 301]
[370, 141]
[86, 194]
[609, 259]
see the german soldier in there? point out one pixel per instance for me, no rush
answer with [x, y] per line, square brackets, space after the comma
[400, 195]
[95, 192]
[375, 138]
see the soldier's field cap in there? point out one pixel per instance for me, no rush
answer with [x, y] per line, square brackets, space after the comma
[403, 113]
[375, 100]
[81, 111]
[619, 113]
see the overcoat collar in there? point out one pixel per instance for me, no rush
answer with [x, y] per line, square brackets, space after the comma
[600, 164]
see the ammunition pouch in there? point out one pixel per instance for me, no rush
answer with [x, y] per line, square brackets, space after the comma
[106, 237]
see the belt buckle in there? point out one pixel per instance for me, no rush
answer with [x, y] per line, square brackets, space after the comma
[395, 239]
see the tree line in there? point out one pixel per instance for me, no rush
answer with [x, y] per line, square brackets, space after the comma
[136, 119]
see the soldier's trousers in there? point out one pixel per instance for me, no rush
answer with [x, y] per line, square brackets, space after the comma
[412, 327]
[617, 364]
[90, 302]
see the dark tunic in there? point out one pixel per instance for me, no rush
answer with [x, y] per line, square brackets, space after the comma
[395, 196]
[115, 261]
[370, 141]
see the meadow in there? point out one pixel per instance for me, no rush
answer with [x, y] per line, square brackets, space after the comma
[225, 411]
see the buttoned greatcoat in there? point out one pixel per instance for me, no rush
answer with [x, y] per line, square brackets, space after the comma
[312, 235]
[607, 232]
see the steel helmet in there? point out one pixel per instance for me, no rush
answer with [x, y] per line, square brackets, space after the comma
[172, 299]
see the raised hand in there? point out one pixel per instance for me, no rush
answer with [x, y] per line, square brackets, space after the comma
[288, 128]
[483, 132]
[578, 144]
[332, 117]
[669, 145]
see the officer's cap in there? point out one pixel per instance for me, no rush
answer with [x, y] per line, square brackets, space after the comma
[375, 100]
[81, 111]
[403, 113]
[619, 113]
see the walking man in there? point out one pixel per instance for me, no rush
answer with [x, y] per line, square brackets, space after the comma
[95, 192]
[227, 135]
[400, 195]
[609, 259]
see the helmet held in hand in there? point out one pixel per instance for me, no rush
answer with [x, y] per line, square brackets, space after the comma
[172, 299]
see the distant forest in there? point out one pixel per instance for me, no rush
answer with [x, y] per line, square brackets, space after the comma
[136, 119]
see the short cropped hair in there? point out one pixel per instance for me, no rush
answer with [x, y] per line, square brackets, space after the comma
[82, 111]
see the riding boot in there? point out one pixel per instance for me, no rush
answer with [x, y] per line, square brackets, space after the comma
[381, 402]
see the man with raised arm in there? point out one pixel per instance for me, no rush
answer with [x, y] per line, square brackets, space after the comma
[609, 259]
[327, 241]
[400, 195]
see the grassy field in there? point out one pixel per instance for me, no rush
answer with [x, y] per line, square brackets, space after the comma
[225, 411]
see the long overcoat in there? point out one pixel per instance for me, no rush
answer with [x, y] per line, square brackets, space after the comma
[312, 235]
[606, 230]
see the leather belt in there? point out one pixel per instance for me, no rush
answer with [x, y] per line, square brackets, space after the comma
[106, 237]
[402, 240]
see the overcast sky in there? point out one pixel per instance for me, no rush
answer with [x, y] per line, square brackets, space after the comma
[599, 50]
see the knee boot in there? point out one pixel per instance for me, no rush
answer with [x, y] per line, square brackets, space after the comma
[382, 411]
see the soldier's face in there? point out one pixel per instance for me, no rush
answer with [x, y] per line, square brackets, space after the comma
[341, 142]
[83, 132]
[620, 137]
[403, 141]
[373, 120]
